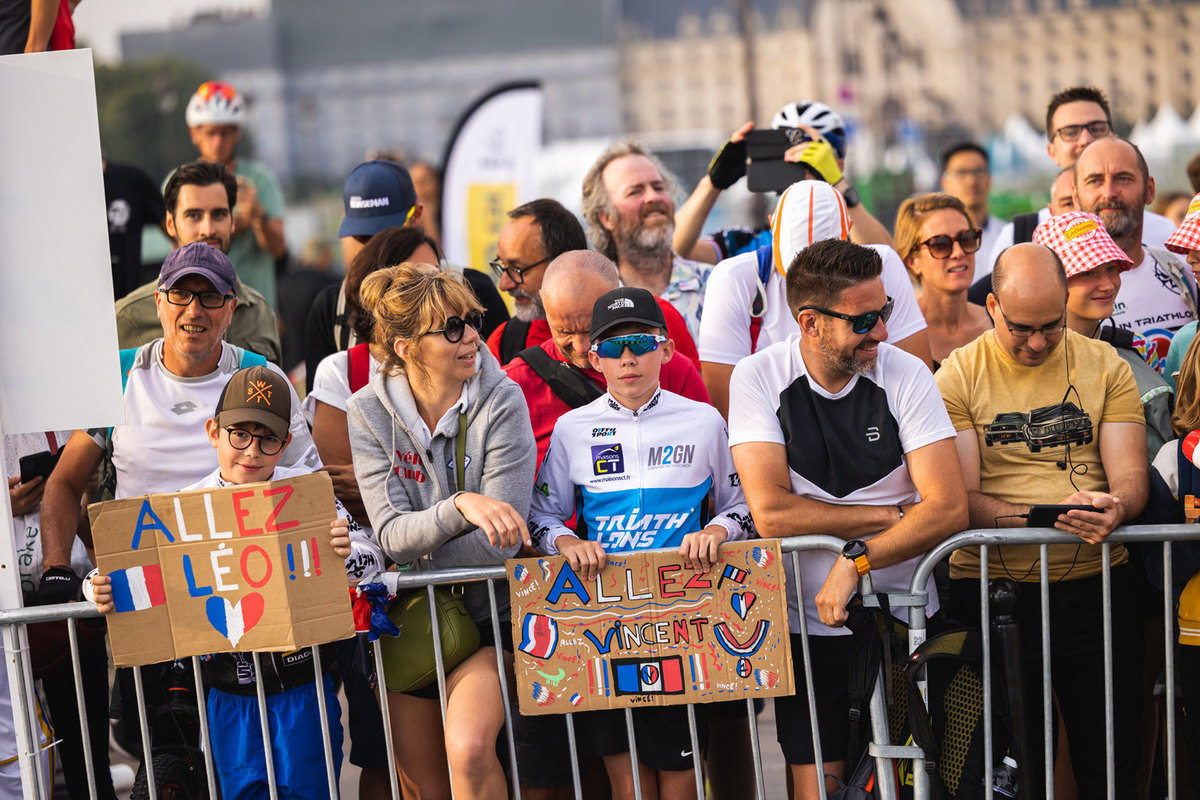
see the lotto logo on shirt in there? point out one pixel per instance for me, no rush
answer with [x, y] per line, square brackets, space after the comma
[607, 459]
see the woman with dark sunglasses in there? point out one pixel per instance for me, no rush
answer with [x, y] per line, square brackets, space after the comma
[938, 244]
[444, 454]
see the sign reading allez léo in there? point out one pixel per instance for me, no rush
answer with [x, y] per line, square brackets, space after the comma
[241, 568]
[650, 631]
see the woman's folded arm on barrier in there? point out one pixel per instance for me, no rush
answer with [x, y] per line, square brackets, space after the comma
[941, 512]
[778, 512]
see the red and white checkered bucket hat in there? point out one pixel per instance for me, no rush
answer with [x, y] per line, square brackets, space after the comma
[1187, 236]
[1081, 242]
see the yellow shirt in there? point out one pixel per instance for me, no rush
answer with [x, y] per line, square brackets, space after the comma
[1028, 420]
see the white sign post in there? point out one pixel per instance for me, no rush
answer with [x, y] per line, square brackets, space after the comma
[59, 367]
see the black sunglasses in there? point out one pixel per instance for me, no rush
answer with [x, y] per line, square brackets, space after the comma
[943, 246]
[455, 327]
[859, 323]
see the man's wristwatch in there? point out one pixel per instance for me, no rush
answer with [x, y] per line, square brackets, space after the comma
[850, 195]
[856, 551]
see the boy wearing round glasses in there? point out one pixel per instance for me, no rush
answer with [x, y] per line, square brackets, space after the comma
[605, 460]
[249, 430]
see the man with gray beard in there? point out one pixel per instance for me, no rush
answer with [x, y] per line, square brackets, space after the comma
[1158, 296]
[629, 207]
[536, 233]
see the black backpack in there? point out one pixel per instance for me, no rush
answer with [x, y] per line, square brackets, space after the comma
[951, 732]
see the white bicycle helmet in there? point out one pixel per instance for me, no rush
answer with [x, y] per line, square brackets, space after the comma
[815, 115]
[216, 103]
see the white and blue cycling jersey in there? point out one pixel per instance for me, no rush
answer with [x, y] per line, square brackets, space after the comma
[638, 480]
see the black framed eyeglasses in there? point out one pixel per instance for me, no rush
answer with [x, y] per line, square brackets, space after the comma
[1025, 331]
[859, 323]
[942, 246]
[184, 297]
[515, 274]
[268, 445]
[455, 327]
[1098, 129]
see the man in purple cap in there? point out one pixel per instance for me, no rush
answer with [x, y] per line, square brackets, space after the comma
[171, 385]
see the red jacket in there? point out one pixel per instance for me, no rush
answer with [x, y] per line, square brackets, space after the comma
[678, 375]
[539, 331]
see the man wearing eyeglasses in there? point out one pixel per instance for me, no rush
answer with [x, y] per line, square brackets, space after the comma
[171, 386]
[200, 199]
[1047, 416]
[967, 175]
[1076, 117]
[537, 233]
[836, 432]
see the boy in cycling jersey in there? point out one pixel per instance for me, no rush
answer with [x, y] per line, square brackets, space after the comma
[638, 466]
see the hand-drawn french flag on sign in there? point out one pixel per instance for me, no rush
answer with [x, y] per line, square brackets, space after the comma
[539, 635]
[138, 588]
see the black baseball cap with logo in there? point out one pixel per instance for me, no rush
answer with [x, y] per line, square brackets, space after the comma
[256, 394]
[626, 304]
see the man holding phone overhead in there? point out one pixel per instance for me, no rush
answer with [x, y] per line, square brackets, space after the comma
[1047, 416]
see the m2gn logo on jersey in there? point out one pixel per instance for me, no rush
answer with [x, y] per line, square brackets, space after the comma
[671, 455]
[607, 459]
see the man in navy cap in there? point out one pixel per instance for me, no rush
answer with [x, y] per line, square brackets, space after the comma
[377, 195]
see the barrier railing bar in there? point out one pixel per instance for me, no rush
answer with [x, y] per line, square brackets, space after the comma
[264, 723]
[808, 684]
[755, 752]
[1110, 764]
[85, 733]
[210, 772]
[576, 783]
[697, 767]
[323, 715]
[885, 777]
[436, 631]
[30, 733]
[503, 673]
[144, 726]
[985, 627]
[1169, 638]
[1047, 694]
[381, 689]
[633, 755]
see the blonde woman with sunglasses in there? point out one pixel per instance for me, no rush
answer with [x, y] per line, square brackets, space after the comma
[935, 238]
[444, 455]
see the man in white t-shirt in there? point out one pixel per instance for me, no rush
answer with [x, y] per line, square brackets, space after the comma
[170, 387]
[1158, 295]
[835, 432]
[739, 319]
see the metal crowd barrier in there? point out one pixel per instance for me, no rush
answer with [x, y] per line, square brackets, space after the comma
[880, 748]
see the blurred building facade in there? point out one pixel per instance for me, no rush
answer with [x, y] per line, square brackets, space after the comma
[328, 82]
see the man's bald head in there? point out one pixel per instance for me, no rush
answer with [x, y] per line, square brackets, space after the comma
[1028, 269]
[572, 284]
[1029, 297]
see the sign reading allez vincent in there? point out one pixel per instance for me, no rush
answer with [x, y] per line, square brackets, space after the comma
[650, 631]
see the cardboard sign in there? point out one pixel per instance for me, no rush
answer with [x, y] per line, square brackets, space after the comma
[649, 631]
[242, 568]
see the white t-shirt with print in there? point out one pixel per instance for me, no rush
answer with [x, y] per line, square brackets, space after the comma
[847, 448]
[1149, 304]
[725, 327]
[163, 444]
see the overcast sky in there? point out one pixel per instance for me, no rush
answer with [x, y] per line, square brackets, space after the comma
[99, 22]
